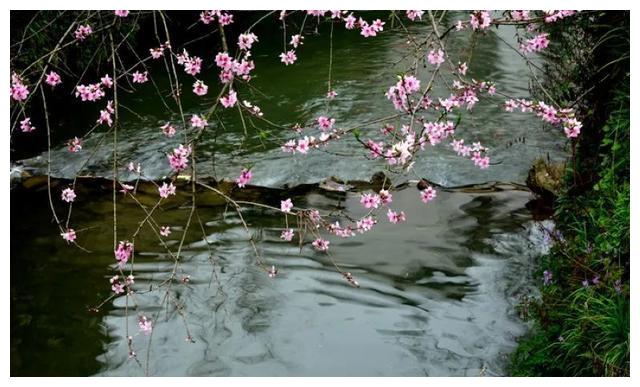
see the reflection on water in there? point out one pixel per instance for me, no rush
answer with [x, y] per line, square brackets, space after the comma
[437, 294]
[364, 69]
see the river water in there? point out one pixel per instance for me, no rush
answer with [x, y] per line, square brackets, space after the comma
[437, 294]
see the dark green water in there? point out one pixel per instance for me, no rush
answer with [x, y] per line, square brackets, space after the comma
[437, 294]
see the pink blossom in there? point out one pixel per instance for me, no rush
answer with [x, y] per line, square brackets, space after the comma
[520, 15]
[286, 206]
[199, 88]
[377, 25]
[92, 92]
[395, 217]
[303, 145]
[480, 20]
[198, 122]
[225, 19]
[287, 235]
[223, 60]
[370, 200]
[167, 190]
[272, 272]
[82, 32]
[168, 129]
[229, 100]
[116, 286]
[428, 194]
[121, 13]
[165, 231]
[376, 148]
[413, 15]
[68, 195]
[325, 123]
[107, 81]
[244, 178]
[536, 44]
[69, 235]
[288, 57]
[156, 53]
[139, 77]
[321, 244]
[552, 16]
[192, 65]
[179, 158]
[331, 94]
[365, 224]
[385, 197]
[123, 252]
[436, 58]
[19, 91]
[207, 17]
[145, 325]
[349, 22]
[462, 68]
[572, 127]
[296, 40]
[25, 125]
[105, 117]
[245, 41]
[74, 145]
[53, 79]
[367, 30]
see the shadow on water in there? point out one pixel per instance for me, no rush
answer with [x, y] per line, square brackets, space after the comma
[436, 295]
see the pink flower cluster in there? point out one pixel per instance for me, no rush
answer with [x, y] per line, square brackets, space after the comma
[436, 58]
[25, 125]
[396, 217]
[121, 13]
[139, 77]
[399, 93]
[244, 178]
[94, 92]
[224, 19]
[105, 115]
[192, 64]
[198, 122]
[82, 32]
[535, 44]
[553, 16]
[548, 113]
[232, 67]
[123, 252]
[167, 189]
[179, 158]
[230, 99]
[413, 15]
[19, 91]
[480, 20]
[245, 41]
[321, 244]
[475, 152]
[288, 57]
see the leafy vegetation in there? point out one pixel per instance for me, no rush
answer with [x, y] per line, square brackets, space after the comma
[582, 318]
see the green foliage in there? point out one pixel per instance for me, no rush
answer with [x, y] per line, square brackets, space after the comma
[585, 330]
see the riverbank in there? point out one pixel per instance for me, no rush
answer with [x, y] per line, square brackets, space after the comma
[582, 318]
